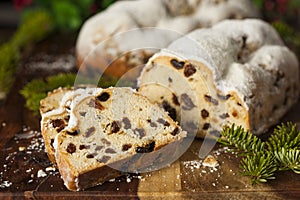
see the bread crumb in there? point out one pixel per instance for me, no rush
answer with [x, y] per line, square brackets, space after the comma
[21, 148]
[50, 168]
[41, 173]
[5, 184]
[210, 161]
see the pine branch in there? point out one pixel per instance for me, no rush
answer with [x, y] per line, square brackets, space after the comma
[259, 166]
[285, 136]
[288, 159]
[260, 160]
[243, 141]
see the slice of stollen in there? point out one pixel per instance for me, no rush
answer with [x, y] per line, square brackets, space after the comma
[114, 130]
[55, 110]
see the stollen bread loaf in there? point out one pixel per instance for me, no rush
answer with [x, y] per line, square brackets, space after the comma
[109, 131]
[237, 71]
[104, 39]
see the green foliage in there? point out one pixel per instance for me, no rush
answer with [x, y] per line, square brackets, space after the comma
[285, 136]
[8, 59]
[260, 160]
[285, 143]
[37, 89]
[242, 140]
[260, 166]
[293, 4]
[34, 27]
[288, 159]
[68, 15]
[288, 34]
[258, 3]
[37, 23]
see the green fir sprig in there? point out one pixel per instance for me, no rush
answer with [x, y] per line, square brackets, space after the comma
[259, 166]
[260, 160]
[242, 140]
[288, 160]
[285, 136]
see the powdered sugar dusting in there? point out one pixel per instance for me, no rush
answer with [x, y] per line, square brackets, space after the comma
[25, 163]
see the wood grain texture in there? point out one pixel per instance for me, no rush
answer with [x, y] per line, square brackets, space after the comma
[164, 183]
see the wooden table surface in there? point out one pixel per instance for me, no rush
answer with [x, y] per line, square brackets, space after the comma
[25, 170]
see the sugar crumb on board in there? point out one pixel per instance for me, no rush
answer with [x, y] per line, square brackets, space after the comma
[25, 161]
[41, 173]
[3, 124]
[210, 172]
[5, 184]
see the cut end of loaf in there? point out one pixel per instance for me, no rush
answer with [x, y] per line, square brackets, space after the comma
[171, 85]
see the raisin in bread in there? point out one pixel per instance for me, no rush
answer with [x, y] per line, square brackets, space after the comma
[239, 71]
[111, 131]
[55, 112]
[104, 39]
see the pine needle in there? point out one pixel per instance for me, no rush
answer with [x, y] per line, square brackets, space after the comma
[260, 160]
[259, 166]
[288, 159]
[242, 140]
[285, 136]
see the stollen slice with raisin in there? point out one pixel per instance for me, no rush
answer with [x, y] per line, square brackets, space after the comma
[111, 132]
[55, 110]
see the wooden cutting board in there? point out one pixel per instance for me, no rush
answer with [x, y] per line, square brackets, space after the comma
[25, 170]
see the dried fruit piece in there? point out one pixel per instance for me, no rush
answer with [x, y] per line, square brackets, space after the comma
[71, 148]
